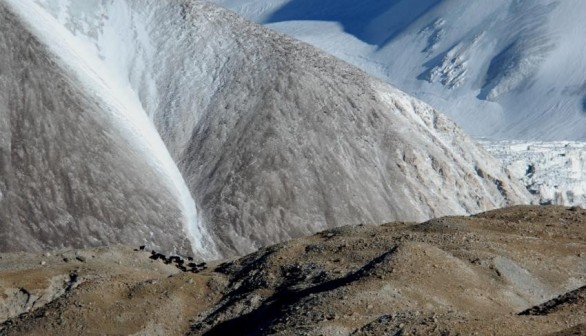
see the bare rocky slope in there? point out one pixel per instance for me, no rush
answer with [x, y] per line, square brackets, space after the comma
[515, 271]
[269, 136]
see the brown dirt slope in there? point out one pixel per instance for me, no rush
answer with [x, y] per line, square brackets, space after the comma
[447, 276]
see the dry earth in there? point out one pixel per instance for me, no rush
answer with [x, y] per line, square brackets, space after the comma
[515, 271]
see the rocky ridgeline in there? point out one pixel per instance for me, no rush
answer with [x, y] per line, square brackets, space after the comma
[517, 271]
[571, 298]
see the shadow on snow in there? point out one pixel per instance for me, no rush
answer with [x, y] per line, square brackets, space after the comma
[375, 22]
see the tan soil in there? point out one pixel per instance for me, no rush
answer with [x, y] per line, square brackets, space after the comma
[448, 276]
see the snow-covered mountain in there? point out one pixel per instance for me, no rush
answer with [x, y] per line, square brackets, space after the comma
[504, 69]
[268, 137]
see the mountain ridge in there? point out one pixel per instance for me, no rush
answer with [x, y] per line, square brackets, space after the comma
[272, 138]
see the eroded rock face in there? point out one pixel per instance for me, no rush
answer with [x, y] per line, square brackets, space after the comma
[273, 138]
[512, 271]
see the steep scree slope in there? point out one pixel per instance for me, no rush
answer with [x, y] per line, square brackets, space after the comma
[274, 138]
[69, 174]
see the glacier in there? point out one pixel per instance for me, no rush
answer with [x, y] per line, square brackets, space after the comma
[555, 172]
[501, 69]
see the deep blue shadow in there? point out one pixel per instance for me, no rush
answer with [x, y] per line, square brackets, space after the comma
[508, 59]
[356, 15]
[432, 63]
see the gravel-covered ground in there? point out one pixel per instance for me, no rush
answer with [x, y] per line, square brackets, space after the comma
[516, 271]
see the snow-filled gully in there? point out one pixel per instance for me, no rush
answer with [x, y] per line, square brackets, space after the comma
[122, 106]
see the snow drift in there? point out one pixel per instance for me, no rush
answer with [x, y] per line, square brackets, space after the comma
[273, 138]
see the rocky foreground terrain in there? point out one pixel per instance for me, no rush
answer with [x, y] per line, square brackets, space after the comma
[515, 271]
